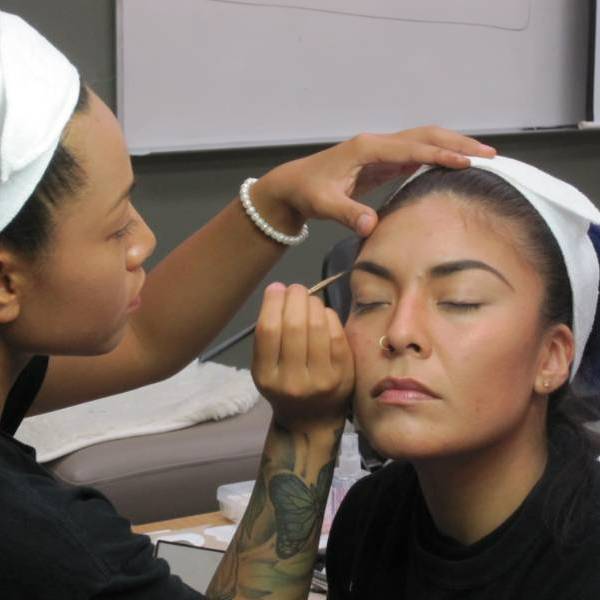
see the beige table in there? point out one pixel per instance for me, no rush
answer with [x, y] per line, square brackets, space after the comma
[197, 524]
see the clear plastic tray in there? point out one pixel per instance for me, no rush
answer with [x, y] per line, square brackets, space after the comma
[233, 499]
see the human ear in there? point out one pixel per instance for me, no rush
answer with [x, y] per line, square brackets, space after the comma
[557, 354]
[10, 286]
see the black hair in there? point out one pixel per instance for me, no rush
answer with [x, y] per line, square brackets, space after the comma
[30, 231]
[568, 499]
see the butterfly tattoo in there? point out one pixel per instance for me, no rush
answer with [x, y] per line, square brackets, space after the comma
[297, 508]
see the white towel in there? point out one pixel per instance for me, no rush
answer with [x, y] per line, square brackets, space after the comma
[200, 392]
[39, 89]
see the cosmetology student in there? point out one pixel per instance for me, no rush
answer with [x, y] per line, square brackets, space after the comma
[72, 286]
[473, 323]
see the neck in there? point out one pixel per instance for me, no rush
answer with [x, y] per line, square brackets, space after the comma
[470, 495]
[11, 365]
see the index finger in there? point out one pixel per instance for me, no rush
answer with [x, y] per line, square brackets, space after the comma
[452, 140]
[267, 337]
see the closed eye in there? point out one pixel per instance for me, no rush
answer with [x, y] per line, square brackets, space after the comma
[460, 306]
[124, 231]
[361, 307]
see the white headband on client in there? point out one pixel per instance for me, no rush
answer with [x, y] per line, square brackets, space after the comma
[568, 214]
[39, 89]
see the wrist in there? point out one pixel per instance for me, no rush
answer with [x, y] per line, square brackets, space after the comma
[323, 429]
[270, 202]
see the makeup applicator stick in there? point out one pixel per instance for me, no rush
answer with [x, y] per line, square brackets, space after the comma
[244, 333]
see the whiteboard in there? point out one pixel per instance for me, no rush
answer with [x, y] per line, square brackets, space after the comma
[208, 74]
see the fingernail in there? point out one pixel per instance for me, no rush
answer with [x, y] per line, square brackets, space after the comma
[487, 148]
[275, 286]
[364, 224]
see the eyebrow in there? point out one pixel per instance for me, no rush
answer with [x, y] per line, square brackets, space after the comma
[124, 195]
[370, 267]
[438, 271]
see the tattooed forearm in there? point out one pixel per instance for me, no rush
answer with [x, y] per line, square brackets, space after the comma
[274, 549]
[298, 509]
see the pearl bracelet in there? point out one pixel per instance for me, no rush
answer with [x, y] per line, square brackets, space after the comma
[268, 230]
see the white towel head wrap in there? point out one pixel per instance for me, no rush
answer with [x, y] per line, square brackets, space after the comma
[39, 89]
[569, 215]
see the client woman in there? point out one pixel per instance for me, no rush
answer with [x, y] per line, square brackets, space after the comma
[473, 309]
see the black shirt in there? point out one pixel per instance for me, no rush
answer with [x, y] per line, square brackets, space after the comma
[62, 542]
[23, 393]
[384, 544]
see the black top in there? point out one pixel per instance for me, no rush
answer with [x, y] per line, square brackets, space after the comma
[384, 544]
[62, 542]
[23, 393]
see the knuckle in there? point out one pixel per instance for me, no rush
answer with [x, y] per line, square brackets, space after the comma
[322, 197]
[325, 384]
[315, 325]
[294, 327]
[334, 321]
[293, 390]
[338, 339]
[261, 380]
[317, 319]
[363, 141]
[265, 330]
[316, 303]
[433, 134]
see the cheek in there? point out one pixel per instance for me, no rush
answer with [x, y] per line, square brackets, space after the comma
[490, 374]
[364, 344]
[503, 354]
[90, 293]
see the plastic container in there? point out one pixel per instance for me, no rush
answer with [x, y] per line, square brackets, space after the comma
[233, 499]
[345, 475]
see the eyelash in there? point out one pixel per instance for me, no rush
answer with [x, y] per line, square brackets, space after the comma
[360, 307]
[124, 231]
[461, 306]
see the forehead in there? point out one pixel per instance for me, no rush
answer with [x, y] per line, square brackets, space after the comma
[96, 139]
[443, 227]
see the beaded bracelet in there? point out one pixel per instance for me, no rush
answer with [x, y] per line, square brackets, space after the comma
[268, 230]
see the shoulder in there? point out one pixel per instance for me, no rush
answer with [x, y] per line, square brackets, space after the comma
[577, 569]
[61, 541]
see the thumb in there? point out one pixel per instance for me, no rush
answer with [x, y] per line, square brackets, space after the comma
[355, 215]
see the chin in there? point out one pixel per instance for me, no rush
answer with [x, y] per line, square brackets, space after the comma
[111, 343]
[96, 346]
[392, 440]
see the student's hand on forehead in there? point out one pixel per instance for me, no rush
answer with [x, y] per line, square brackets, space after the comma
[325, 185]
[302, 363]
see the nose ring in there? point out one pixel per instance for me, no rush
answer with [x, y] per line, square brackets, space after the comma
[384, 344]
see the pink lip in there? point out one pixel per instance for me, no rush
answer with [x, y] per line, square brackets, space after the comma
[392, 390]
[135, 303]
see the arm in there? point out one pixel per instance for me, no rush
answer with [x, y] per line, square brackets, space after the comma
[179, 316]
[273, 552]
[303, 366]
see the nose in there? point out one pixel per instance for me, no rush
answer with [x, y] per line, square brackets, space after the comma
[142, 245]
[407, 332]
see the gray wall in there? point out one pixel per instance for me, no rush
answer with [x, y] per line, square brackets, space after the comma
[178, 193]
